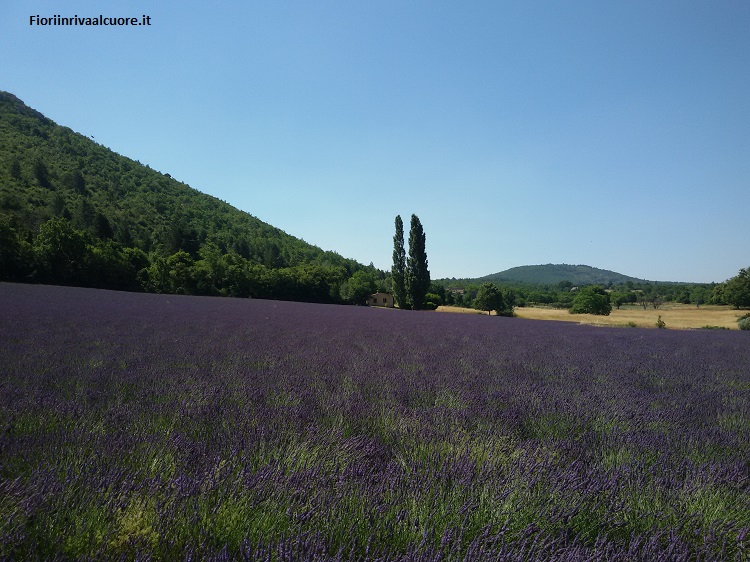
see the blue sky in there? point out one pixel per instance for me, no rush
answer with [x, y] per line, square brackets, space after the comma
[611, 134]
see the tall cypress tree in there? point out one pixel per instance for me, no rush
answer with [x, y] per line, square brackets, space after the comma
[417, 274]
[398, 270]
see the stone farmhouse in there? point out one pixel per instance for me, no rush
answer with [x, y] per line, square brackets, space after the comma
[380, 299]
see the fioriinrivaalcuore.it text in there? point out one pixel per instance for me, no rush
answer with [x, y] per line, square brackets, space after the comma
[96, 20]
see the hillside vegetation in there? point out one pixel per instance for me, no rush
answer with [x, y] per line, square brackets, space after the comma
[555, 273]
[74, 212]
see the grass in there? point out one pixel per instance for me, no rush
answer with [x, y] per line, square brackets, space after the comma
[675, 316]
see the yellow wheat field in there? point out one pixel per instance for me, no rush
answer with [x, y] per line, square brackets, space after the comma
[675, 316]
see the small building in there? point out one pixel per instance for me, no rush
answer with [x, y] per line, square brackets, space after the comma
[380, 299]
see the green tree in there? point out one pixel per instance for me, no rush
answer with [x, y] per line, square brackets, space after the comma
[182, 236]
[180, 265]
[137, 261]
[591, 300]
[61, 252]
[358, 288]
[41, 174]
[75, 182]
[110, 267]
[737, 289]
[86, 215]
[417, 274]
[239, 281]
[155, 278]
[398, 270]
[103, 227]
[490, 298]
[12, 263]
[15, 168]
[619, 299]
[272, 255]
[717, 295]
[510, 300]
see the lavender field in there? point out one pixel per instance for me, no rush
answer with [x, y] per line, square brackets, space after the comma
[141, 426]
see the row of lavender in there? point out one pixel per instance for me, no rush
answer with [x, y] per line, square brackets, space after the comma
[183, 427]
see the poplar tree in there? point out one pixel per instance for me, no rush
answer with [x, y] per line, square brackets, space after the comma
[398, 271]
[417, 274]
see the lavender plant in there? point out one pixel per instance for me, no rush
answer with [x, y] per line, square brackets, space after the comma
[168, 427]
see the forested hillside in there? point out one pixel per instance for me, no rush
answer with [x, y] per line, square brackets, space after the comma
[74, 212]
[556, 273]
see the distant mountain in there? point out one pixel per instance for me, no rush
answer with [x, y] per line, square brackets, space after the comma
[551, 274]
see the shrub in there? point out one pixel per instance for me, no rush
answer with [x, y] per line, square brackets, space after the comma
[433, 298]
[660, 323]
[744, 322]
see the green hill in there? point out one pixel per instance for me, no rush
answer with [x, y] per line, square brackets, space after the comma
[74, 212]
[551, 274]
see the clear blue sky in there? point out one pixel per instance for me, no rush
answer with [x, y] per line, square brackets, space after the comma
[611, 134]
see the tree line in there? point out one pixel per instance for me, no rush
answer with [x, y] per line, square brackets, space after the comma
[596, 299]
[61, 254]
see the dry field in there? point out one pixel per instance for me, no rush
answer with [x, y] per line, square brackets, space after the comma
[676, 316]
